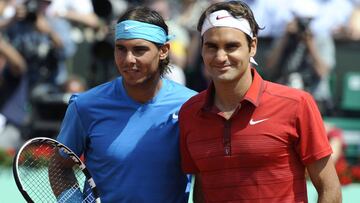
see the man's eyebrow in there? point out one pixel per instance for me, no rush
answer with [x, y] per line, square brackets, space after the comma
[207, 43]
[233, 43]
[227, 43]
[141, 46]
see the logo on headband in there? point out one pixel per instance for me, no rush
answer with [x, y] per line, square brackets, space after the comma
[127, 27]
[222, 17]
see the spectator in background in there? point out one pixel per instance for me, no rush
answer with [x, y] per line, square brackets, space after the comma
[74, 84]
[41, 48]
[12, 68]
[16, 11]
[302, 58]
[80, 12]
[72, 20]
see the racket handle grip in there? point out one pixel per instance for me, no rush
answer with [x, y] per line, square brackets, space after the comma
[70, 196]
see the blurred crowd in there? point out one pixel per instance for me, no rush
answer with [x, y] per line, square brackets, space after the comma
[41, 39]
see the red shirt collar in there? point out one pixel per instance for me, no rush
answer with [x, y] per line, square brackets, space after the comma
[252, 95]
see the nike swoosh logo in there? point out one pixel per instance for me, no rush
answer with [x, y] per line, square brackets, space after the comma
[175, 116]
[221, 17]
[253, 122]
[129, 27]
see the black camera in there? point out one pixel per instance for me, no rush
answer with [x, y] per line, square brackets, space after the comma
[303, 24]
[31, 7]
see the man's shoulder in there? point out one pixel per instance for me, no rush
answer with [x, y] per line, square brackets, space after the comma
[182, 92]
[178, 86]
[195, 102]
[285, 92]
[93, 94]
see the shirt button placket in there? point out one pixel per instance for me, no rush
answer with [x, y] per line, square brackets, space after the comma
[227, 137]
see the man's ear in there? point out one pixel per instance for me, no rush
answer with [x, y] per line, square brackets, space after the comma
[253, 47]
[164, 51]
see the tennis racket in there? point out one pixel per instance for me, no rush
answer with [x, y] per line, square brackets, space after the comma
[47, 171]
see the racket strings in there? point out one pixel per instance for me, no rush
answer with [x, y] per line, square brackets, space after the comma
[32, 170]
[45, 178]
[61, 178]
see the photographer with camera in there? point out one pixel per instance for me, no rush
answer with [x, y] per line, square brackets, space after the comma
[33, 36]
[303, 59]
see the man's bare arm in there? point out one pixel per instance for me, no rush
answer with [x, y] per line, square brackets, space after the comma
[324, 178]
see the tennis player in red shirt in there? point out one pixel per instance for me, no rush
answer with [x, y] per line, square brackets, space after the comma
[247, 139]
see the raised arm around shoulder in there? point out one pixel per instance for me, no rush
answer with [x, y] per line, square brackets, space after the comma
[323, 176]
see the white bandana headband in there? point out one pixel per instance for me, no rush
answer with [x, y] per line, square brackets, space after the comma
[223, 18]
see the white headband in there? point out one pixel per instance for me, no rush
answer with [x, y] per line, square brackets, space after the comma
[223, 18]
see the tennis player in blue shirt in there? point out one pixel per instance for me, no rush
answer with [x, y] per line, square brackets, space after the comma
[127, 128]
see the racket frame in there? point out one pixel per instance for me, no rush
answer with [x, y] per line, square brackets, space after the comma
[65, 150]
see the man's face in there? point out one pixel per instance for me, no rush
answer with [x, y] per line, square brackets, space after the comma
[137, 60]
[226, 53]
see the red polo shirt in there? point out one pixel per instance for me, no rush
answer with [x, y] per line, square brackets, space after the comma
[260, 153]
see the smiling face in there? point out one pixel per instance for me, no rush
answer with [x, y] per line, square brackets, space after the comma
[226, 53]
[137, 60]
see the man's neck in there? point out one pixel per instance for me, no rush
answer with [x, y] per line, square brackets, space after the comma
[228, 95]
[144, 92]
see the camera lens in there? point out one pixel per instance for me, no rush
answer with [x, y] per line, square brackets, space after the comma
[303, 24]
